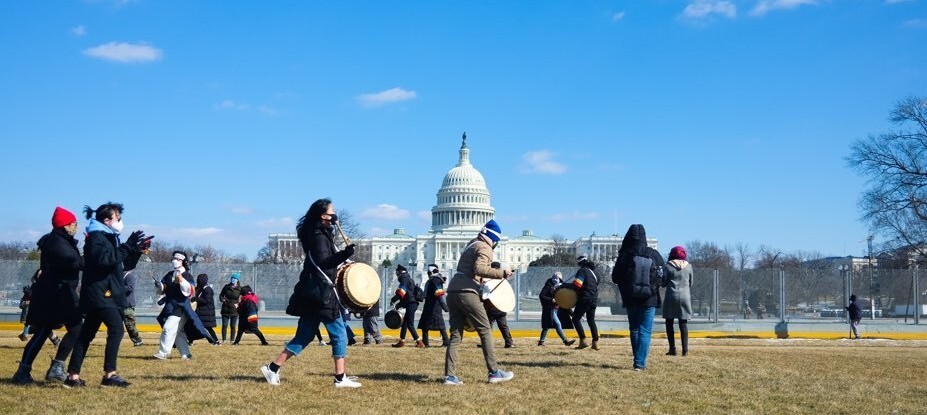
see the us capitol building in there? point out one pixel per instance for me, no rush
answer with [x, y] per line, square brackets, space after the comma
[463, 207]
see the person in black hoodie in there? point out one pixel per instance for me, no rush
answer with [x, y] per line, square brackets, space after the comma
[855, 314]
[102, 289]
[205, 308]
[435, 306]
[54, 297]
[405, 296]
[315, 299]
[638, 272]
[549, 319]
[587, 289]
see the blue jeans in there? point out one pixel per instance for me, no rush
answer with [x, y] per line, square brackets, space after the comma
[557, 326]
[640, 321]
[308, 326]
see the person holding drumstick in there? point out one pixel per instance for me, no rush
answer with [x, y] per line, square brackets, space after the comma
[465, 302]
[315, 299]
[587, 286]
[499, 317]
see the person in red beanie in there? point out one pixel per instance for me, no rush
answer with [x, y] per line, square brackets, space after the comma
[54, 297]
[677, 279]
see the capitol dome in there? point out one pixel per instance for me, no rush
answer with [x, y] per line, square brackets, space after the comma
[463, 200]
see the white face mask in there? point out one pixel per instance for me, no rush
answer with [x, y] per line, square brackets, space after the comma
[177, 263]
[117, 225]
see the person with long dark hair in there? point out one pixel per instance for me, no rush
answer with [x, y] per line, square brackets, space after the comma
[678, 302]
[315, 299]
[102, 289]
[54, 297]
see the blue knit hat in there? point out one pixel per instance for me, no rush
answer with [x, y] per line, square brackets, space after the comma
[235, 277]
[492, 230]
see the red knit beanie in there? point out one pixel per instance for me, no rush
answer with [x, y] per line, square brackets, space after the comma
[678, 252]
[62, 217]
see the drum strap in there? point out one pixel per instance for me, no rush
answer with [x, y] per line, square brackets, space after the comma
[330, 283]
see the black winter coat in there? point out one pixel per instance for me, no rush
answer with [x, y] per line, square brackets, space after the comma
[206, 306]
[635, 244]
[54, 295]
[435, 306]
[855, 311]
[547, 303]
[230, 296]
[588, 290]
[408, 286]
[320, 251]
[105, 262]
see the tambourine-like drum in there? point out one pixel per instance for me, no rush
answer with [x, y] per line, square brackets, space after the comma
[358, 287]
[392, 319]
[502, 298]
[566, 296]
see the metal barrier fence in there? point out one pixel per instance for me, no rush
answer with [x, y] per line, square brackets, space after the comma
[789, 294]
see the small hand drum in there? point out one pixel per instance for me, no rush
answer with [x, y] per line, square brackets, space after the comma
[392, 319]
[566, 296]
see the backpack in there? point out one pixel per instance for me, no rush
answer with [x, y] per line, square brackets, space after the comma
[418, 293]
[645, 277]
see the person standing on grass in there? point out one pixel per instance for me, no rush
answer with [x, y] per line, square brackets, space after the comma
[204, 298]
[549, 319]
[856, 315]
[128, 315]
[435, 307]
[405, 296]
[371, 325]
[230, 296]
[315, 299]
[586, 284]
[54, 297]
[499, 317]
[102, 289]
[248, 316]
[638, 272]
[465, 302]
[677, 279]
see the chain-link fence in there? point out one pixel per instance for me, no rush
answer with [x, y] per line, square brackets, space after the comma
[792, 294]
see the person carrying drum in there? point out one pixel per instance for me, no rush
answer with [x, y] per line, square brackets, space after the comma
[405, 296]
[587, 288]
[435, 306]
[465, 302]
[499, 317]
[549, 309]
[315, 299]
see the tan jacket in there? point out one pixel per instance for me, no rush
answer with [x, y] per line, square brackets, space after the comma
[473, 265]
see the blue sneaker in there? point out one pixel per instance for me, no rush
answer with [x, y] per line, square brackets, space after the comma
[452, 380]
[500, 376]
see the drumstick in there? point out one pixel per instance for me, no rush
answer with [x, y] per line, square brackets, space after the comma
[343, 236]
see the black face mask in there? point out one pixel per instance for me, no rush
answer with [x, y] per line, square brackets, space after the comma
[334, 218]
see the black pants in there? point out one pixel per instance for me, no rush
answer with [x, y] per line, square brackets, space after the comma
[444, 337]
[408, 322]
[503, 324]
[34, 346]
[225, 325]
[587, 309]
[683, 334]
[114, 333]
[256, 331]
[212, 332]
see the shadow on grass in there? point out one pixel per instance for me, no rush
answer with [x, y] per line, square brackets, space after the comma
[401, 377]
[184, 378]
[555, 364]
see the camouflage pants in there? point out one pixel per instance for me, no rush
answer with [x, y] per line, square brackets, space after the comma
[129, 320]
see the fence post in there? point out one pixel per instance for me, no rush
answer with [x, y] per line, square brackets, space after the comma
[254, 278]
[716, 294]
[847, 290]
[517, 295]
[781, 295]
[917, 298]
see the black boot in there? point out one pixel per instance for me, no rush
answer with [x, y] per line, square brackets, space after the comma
[23, 375]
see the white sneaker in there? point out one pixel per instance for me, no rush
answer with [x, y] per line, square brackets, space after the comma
[322, 343]
[272, 378]
[160, 356]
[185, 357]
[348, 382]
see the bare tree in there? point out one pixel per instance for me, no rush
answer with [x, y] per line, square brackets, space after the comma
[743, 255]
[895, 166]
[708, 255]
[560, 244]
[17, 250]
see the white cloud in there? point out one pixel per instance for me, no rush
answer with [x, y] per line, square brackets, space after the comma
[385, 211]
[917, 23]
[541, 162]
[79, 31]
[123, 52]
[263, 109]
[239, 209]
[283, 222]
[573, 216]
[424, 215]
[232, 105]
[617, 17]
[388, 96]
[197, 232]
[766, 6]
[703, 9]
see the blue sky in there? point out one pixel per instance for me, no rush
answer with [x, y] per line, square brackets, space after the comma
[219, 122]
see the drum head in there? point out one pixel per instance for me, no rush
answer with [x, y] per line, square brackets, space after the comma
[362, 284]
[392, 319]
[503, 296]
[566, 297]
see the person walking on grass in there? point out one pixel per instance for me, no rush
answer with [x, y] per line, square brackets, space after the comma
[128, 315]
[315, 299]
[500, 318]
[586, 284]
[371, 326]
[248, 316]
[229, 297]
[435, 307]
[638, 272]
[549, 319]
[102, 289]
[677, 279]
[54, 297]
[465, 303]
[405, 296]
[204, 298]
[177, 287]
[856, 315]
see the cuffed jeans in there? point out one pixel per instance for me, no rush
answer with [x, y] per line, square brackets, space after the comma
[463, 306]
[640, 321]
[306, 330]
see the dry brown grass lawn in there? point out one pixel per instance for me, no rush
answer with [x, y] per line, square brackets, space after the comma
[719, 376]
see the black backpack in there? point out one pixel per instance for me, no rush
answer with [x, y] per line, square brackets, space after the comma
[419, 294]
[645, 277]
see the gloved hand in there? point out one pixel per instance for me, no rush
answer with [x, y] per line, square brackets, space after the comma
[145, 243]
[350, 249]
[134, 238]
